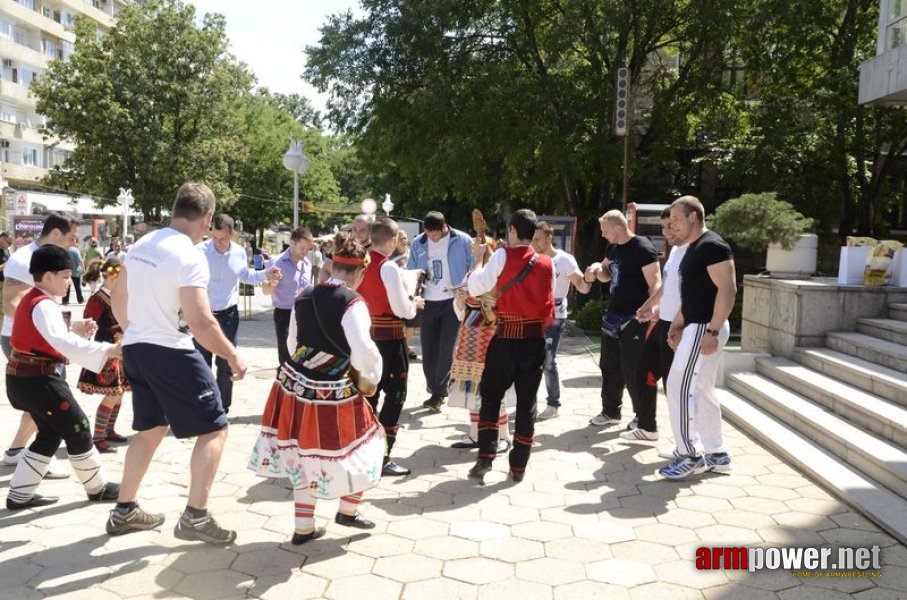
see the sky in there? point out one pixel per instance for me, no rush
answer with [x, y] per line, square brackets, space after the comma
[270, 36]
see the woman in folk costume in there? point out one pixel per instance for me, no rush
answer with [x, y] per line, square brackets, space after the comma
[111, 381]
[318, 429]
[477, 326]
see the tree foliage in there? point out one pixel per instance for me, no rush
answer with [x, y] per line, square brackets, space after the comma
[150, 105]
[776, 221]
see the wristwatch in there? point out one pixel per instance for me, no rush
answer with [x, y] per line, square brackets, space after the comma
[712, 332]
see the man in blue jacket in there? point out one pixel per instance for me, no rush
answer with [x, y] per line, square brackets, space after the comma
[446, 254]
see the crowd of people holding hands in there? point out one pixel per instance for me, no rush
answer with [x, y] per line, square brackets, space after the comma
[491, 317]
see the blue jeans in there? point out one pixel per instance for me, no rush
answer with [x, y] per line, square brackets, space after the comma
[552, 341]
[229, 324]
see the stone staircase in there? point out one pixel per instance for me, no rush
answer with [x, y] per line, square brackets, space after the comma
[838, 413]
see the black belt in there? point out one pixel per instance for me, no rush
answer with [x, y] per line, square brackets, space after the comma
[225, 311]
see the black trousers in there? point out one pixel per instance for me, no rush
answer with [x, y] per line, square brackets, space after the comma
[518, 363]
[654, 364]
[229, 324]
[282, 329]
[58, 416]
[619, 364]
[77, 286]
[394, 374]
[439, 334]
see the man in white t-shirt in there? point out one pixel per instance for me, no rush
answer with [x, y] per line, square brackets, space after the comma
[657, 356]
[60, 230]
[446, 254]
[161, 294]
[566, 272]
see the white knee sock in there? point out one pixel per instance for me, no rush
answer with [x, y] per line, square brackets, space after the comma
[89, 470]
[29, 472]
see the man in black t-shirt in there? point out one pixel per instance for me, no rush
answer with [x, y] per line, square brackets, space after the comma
[631, 266]
[708, 286]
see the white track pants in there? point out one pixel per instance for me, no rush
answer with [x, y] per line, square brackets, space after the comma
[693, 406]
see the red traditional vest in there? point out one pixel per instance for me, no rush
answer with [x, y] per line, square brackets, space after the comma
[385, 324]
[26, 338]
[526, 309]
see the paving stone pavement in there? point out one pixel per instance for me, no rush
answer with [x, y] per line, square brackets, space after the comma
[591, 519]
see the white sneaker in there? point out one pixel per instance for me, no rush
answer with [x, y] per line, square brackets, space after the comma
[601, 419]
[639, 434]
[12, 459]
[668, 452]
[56, 470]
[633, 424]
[549, 413]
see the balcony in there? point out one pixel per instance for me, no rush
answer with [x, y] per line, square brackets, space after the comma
[883, 79]
[17, 52]
[16, 93]
[15, 173]
[78, 6]
[35, 20]
[21, 132]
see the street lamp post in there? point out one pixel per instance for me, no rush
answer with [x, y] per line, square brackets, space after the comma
[295, 160]
[125, 200]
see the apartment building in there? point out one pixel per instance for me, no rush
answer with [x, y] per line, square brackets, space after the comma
[32, 34]
[883, 79]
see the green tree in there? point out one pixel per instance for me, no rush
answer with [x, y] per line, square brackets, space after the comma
[150, 105]
[499, 104]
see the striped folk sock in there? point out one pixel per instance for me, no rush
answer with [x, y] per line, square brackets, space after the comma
[89, 470]
[304, 506]
[349, 505]
[114, 413]
[102, 420]
[29, 472]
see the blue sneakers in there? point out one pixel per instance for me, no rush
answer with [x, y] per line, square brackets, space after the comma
[683, 467]
[719, 462]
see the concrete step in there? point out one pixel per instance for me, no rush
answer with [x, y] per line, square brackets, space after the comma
[897, 312]
[867, 452]
[881, 505]
[870, 377]
[886, 329]
[867, 347]
[875, 414]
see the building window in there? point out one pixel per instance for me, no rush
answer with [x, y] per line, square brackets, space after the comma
[6, 29]
[30, 157]
[29, 4]
[896, 31]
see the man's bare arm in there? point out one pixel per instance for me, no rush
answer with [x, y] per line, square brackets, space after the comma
[582, 286]
[724, 276]
[13, 292]
[206, 329]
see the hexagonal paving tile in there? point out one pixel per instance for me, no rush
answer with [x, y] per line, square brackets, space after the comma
[359, 586]
[644, 552]
[293, 584]
[447, 548]
[478, 570]
[382, 544]
[737, 592]
[684, 573]
[664, 590]
[578, 550]
[515, 588]
[344, 565]
[744, 518]
[408, 569]
[550, 571]
[512, 550]
[590, 590]
[541, 531]
[440, 589]
[200, 559]
[669, 535]
[274, 561]
[215, 584]
[418, 529]
[616, 571]
[727, 535]
[479, 531]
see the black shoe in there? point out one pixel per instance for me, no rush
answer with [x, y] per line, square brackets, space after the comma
[392, 469]
[434, 404]
[33, 502]
[108, 493]
[301, 538]
[517, 477]
[478, 470]
[465, 443]
[357, 521]
[412, 355]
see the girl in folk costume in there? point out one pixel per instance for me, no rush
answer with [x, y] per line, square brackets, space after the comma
[477, 326]
[111, 381]
[318, 429]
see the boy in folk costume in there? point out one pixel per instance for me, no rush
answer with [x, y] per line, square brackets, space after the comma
[525, 283]
[389, 304]
[111, 380]
[317, 428]
[41, 342]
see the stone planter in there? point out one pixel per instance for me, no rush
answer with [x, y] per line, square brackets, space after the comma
[797, 263]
